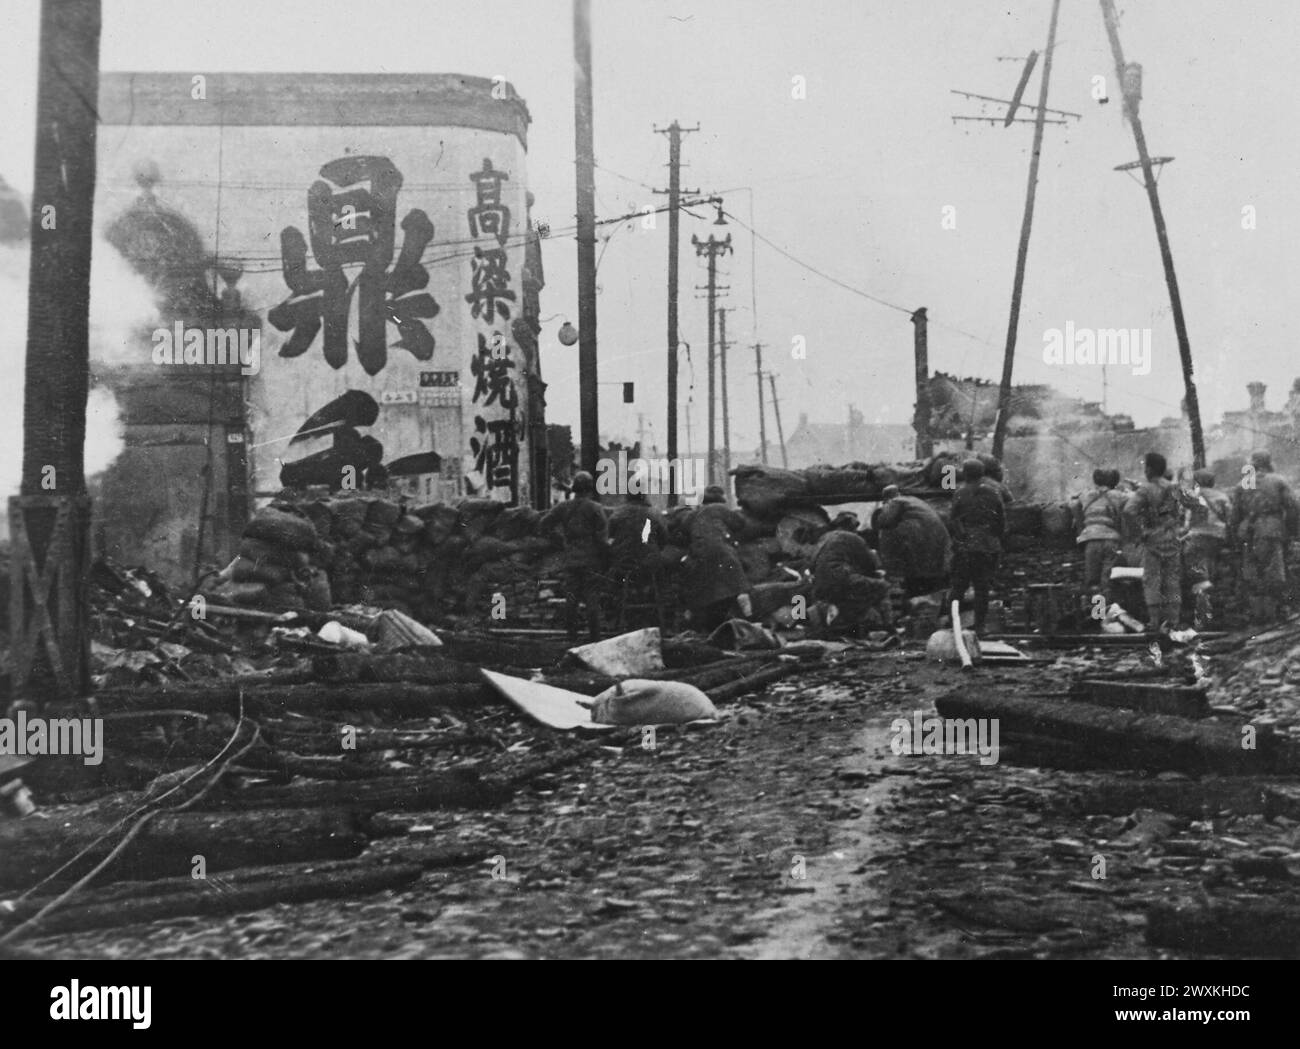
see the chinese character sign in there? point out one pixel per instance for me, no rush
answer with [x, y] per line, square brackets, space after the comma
[495, 443]
[351, 220]
[490, 293]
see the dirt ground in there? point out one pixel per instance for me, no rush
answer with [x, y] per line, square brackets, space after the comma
[791, 830]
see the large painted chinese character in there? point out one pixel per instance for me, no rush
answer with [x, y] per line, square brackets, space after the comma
[493, 383]
[495, 446]
[489, 216]
[354, 224]
[490, 285]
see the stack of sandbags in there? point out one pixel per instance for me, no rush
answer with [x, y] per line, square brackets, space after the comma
[423, 561]
[274, 566]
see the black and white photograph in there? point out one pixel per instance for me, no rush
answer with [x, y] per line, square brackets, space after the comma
[651, 480]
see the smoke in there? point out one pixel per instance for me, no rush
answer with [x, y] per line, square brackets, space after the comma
[121, 305]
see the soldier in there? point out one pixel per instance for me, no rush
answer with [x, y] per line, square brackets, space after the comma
[581, 527]
[1206, 523]
[1098, 521]
[847, 573]
[637, 534]
[1264, 516]
[713, 578]
[979, 521]
[1156, 509]
[914, 542]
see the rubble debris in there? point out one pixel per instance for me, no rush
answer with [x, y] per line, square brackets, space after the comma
[634, 653]
[238, 891]
[30, 849]
[1145, 741]
[1187, 701]
[1256, 929]
[548, 705]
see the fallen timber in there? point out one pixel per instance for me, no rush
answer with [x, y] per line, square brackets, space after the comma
[1146, 741]
[231, 699]
[246, 889]
[31, 849]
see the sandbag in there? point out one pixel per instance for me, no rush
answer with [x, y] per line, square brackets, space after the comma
[243, 570]
[942, 646]
[514, 523]
[640, 702]
[477, 515]
[383, 514]
[282, 529]
[349, 516]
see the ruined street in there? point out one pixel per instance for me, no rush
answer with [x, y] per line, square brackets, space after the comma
[791, 829]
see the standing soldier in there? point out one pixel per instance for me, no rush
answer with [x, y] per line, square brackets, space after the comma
[1098, 521]
[580, 524]
[979, 521]
[637, 534]
[1156, 509]
[1264, 516]
[1207, 533]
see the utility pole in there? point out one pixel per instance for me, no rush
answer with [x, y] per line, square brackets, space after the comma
[921, 420]
[50, 518]
[776, 410]
[726, 411]
[762, 415]
[586, 201]
[711, 249]
[1022, 254]
[674, 132]
[1166, 253]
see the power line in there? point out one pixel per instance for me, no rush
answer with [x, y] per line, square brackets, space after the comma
[813, 269]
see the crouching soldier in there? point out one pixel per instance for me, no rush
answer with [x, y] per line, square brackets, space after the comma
[1207, 520]
[847, 573]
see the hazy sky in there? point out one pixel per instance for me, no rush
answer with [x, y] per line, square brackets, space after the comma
[852, 179]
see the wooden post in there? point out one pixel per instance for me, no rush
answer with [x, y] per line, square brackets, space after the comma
[50, 518]
[1162, 235]
[921, 420]
[586, 236]
[1022, 253]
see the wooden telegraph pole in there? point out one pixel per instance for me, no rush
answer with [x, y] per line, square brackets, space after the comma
[921, 352]
[1022, 254]
[711, 249]
[1166, 253]
[586, 235]
[762, 414]
[726, 410]
[674, 132]
[776, 410]
[50, 518]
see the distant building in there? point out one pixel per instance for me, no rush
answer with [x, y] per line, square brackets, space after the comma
[835, 444]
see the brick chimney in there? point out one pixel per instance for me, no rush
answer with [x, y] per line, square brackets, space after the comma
[1256, 391]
